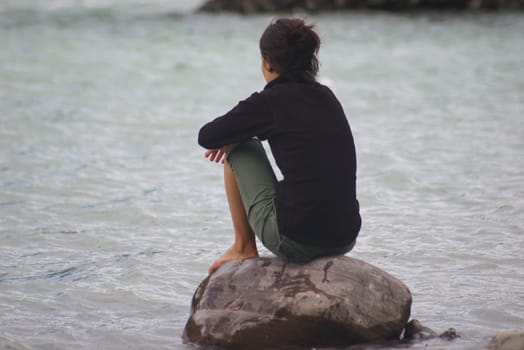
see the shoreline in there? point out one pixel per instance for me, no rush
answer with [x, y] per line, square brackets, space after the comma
[248, 7]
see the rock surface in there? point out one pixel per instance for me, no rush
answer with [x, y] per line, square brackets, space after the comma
[513, 340]
[265, 302]
[416, 331]
[254, 6]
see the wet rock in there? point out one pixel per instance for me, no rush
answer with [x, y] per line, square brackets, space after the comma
[450, 334]
[265, 302]
[513, 340]
[255, 6]
[415, 331]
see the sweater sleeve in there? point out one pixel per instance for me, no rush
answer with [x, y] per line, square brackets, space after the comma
[249, 118]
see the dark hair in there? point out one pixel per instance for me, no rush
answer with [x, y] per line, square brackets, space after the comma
[290, 46]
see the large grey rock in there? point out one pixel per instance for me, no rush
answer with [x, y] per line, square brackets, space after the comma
[512, 340]
[265, 302]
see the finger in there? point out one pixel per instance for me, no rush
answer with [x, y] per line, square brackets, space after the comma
[211, 154]
[219, 156]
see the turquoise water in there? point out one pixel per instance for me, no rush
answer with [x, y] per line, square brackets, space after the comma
[110, 215]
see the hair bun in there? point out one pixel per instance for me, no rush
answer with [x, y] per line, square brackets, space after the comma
[301, 35]
[290, 46]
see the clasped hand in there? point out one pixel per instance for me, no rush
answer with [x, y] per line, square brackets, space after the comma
[215, 155]
[219, 155]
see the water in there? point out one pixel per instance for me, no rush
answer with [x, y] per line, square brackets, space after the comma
[110, 215]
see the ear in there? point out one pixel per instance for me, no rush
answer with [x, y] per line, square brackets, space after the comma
[267, 66]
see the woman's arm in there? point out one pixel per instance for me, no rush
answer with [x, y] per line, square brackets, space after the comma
[251, 117]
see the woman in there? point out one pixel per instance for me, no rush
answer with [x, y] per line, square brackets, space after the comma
[313, 211]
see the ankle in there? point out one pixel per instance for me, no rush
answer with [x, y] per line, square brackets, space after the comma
[247, 246]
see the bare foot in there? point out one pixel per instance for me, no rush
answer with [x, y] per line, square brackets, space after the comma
[233, 254]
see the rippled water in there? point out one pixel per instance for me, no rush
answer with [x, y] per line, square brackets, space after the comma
[110, 216]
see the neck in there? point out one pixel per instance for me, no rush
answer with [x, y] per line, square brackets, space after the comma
[270, 76]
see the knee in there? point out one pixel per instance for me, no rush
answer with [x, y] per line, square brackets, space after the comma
[229, 148]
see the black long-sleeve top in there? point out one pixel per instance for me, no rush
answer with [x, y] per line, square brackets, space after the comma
[313, 146]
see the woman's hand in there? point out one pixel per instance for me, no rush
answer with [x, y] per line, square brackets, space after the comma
[219, 154]
[215, 155]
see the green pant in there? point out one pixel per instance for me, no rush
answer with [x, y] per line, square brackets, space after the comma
[257, 184]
